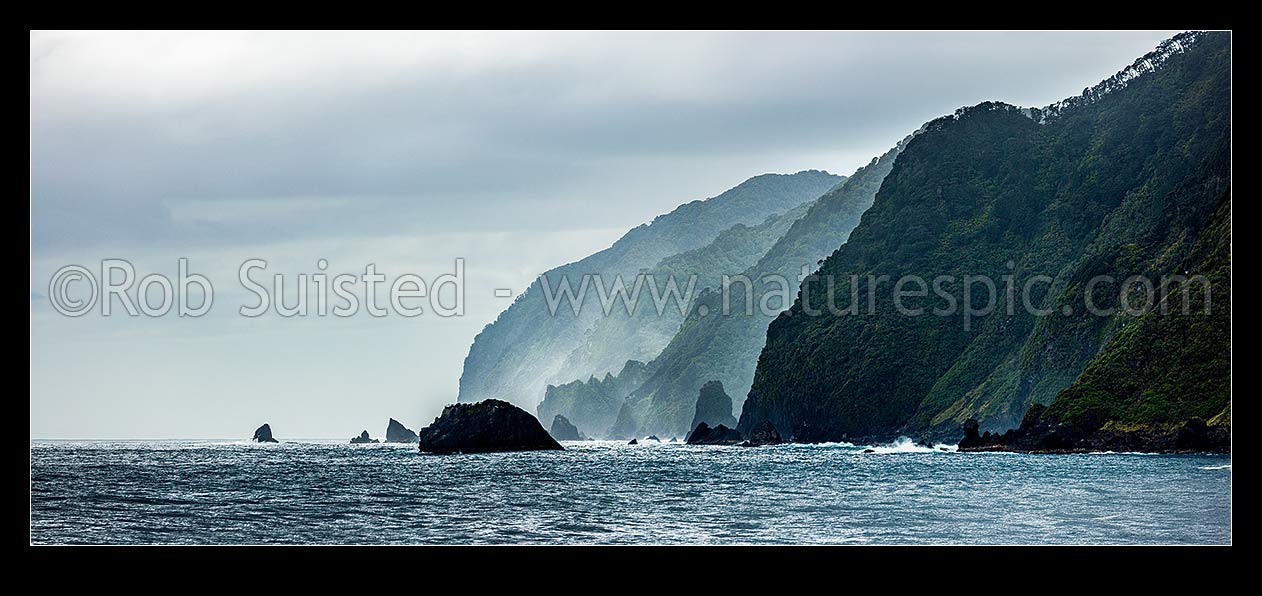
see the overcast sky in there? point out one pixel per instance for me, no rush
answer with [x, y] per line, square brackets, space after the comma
[514, 151]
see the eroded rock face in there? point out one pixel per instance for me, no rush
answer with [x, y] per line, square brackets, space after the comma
[719, 435]
[263, 434]
[714, 407]
[397, 433]
[362, 439]
[485, 426]
[764, 434]
[562, 430]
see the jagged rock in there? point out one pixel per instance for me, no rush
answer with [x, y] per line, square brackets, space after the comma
[485, 426]
[594, 405]
[263, 434]
[674, 439]
[653, 438]
[397, 433]
[633, 442]
[719, 435]
[562, 430]
[714, 407]
[362, 439]
[765, 434]
[869, 451]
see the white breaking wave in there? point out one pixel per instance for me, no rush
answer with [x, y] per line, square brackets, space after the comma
[906, 445]
[1222, 467]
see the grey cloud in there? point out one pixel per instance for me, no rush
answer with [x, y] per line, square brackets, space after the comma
[550, 131]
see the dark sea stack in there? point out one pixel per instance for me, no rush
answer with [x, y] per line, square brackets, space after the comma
[764, 434]
[397, 433]
[971, 437]
[264, 435]
[362, 439]
[714, 407]
[719, 435]
[633, 442]
[485, 426]
[562, 430]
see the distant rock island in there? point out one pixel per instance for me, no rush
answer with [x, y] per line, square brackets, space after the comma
[562, 430]
[485, 426]
[363, 438]
[263, 434]
[397, 433]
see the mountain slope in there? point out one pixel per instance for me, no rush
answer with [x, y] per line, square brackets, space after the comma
[514, 357]
[723, 344]
[643, 333]
[1117, 182]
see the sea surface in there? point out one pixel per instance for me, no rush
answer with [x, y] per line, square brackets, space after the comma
[231, 492]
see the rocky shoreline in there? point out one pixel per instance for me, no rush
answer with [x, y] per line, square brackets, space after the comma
[1041, 437]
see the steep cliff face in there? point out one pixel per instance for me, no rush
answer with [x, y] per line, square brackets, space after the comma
[722, 343]
[515, 357]
[1120, 182]
[1162, 382]
[642, 333]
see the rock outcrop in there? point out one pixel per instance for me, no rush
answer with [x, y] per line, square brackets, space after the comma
[714, 407]
[363, 438]
[719, 435]
[397, 433]
[263, 434]
[1038, 435]
[485, 426]
[562, 430]
[764, 434]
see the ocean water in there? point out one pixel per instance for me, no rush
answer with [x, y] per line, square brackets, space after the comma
[225, 492]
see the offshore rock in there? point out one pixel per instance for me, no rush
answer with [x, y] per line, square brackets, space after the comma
[719, 435]
[485, 426]
[562, 430]
[263, 434]
[397, 433]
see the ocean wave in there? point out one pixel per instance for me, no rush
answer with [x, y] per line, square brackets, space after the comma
[906, 445]
[1222, 467]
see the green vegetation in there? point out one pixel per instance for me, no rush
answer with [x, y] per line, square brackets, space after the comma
[1130, 179]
